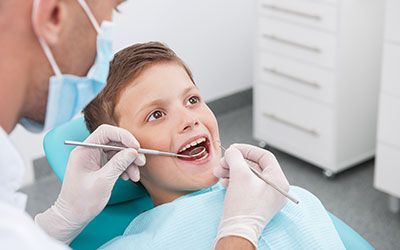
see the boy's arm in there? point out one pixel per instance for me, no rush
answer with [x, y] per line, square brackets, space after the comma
[234, 243]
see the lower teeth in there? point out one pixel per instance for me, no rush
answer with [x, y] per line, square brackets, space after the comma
[202, 158]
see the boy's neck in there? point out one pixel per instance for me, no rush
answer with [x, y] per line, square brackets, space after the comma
[164, 196]
[161, 196]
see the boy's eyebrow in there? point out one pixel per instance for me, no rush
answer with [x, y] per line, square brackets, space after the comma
[156, 102]
[159, 102]
[187, 89]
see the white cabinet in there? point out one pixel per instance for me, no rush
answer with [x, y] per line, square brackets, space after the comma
[317, 74]
[305, 12]
[387, 165]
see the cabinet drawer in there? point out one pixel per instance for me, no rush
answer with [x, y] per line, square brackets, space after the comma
[391, 69]
[392, 20]
[297, 42]
[294, 124]
[303, 12]
[387, 169]
[389, 120]
[312, 82]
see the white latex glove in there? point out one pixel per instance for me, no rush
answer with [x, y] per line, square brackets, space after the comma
[87, 186]
[249, 203]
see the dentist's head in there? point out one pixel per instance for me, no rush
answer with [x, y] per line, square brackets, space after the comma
[54, 58]
[49, 43]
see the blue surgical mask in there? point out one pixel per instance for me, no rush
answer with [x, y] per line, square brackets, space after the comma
[69, 94]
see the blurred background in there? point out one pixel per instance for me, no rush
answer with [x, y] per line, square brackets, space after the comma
[317, 82]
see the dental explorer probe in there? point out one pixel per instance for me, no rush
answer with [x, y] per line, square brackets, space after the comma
[140, 150]
[262, 177]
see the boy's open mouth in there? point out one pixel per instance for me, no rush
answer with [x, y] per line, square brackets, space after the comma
[195, 147]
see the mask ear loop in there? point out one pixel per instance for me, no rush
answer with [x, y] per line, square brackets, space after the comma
[44, 45]
[89, 13]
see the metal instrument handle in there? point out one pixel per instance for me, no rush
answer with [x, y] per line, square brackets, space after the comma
[276, 187]
[93, 145]
[156, 152]
[291, 124]
[291, 77]
[292, 43]
[293, 12]
[140, 150]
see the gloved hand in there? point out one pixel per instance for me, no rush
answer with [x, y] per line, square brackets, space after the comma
[249, 203]
[87, 186]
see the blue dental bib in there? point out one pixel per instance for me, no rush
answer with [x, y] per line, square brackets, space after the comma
[191, 222]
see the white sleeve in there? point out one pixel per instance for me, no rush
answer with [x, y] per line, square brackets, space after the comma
[18, 231]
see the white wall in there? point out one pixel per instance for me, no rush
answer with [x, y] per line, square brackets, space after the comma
[214, 37]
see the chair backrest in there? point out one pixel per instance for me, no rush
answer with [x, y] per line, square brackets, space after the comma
[350, 238]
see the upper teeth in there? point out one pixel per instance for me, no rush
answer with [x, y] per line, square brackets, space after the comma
[193, 143]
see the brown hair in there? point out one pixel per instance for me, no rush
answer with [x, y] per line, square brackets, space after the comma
[127, 64]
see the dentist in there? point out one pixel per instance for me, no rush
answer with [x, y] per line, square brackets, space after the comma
[54, 60]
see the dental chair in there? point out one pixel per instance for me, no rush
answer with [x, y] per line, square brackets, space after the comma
[127, 200]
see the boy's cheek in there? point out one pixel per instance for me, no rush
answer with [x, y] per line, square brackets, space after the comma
[155, 165]
[154, 140]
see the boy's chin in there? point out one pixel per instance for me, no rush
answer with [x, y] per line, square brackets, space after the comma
[205, 184]
[211, 182]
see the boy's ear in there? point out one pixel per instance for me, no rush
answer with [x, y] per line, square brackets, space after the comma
[48, 19]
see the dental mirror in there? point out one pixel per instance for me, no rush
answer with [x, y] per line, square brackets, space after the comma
[197, 151]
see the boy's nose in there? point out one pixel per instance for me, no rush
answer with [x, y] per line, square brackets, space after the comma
[190, 125]
[188, 122]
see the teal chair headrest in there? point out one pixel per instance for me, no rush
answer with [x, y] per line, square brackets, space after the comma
[58, 154]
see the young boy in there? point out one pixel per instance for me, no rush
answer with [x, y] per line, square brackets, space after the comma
[151, 93]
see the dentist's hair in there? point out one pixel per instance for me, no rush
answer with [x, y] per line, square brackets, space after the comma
[127, 65]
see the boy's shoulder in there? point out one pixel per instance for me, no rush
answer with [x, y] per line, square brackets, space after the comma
[301, 192]
[308, 202]
[307, 223]
[173, 225]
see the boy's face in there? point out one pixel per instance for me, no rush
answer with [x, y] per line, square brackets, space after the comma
[163, 109]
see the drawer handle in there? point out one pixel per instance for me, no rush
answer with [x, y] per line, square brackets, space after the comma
[291, 124]
[293, 12]
[296, 44]
[294, 78]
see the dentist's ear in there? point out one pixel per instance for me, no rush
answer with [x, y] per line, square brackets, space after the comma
[48, 19]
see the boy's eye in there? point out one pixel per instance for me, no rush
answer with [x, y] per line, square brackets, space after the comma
[193, 100]
[155, 115]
